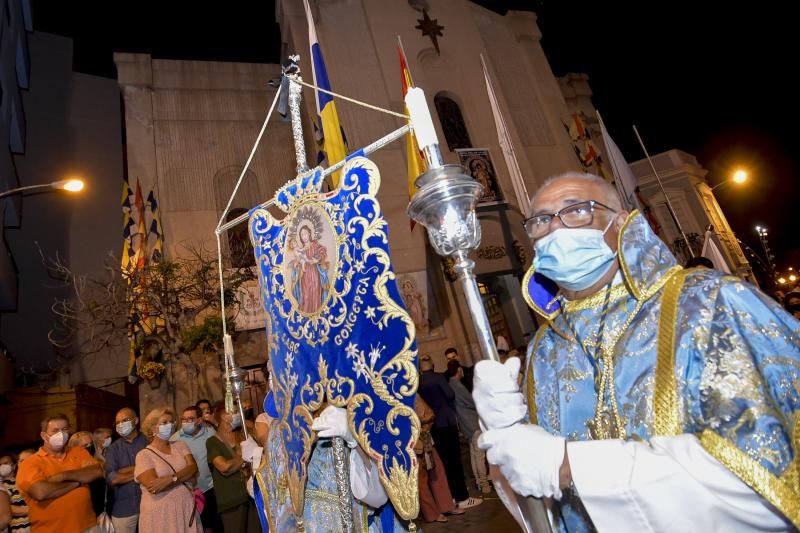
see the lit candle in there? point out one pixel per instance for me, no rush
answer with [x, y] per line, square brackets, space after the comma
[421, 118]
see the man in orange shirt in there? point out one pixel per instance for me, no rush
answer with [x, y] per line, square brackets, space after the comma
[54, 482]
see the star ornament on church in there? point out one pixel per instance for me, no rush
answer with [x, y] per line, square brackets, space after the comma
[430, 28]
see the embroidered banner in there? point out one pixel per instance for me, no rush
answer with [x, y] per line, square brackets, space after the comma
[337, 327]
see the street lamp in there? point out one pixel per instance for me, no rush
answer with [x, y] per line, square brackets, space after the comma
[740, 176]
[70, 185]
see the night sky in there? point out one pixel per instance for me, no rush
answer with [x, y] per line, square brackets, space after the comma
[713, 80]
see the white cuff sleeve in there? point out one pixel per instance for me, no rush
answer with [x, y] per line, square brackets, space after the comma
[365, 481]
[671, 484]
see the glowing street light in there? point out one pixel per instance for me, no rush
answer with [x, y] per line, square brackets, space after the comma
[740, 176]
[71, 185]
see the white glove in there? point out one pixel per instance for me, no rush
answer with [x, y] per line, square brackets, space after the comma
[249, 447]
[332, 422]
[528, 456]
[499, 402]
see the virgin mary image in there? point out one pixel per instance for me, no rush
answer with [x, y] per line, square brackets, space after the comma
[415, 304]
[309, 270]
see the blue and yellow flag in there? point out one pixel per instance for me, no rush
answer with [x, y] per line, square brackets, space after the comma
[332, 138]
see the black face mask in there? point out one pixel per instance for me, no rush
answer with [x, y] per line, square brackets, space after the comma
[90, 449]
[793, 308]
[248, 413]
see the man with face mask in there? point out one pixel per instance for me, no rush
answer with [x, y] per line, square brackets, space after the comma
[102, 440]
[120, 462]
[195, 433]
[655, 398]
[54, 482]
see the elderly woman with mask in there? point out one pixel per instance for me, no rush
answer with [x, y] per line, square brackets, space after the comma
[162, 470]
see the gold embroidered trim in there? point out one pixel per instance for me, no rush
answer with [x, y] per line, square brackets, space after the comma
[527, 296]
[607, 295]
[265, 495]
[530, 383]
[626, 273]
[665, 404]
[321, 495]
[774, 489]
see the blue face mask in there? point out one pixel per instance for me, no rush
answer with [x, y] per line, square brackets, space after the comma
[574, 258]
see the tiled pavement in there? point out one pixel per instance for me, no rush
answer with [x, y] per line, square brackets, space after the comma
[491, 516]
[488, 517]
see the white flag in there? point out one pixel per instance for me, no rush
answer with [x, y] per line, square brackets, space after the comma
[523, 201]
[623, 175]
[711, 251]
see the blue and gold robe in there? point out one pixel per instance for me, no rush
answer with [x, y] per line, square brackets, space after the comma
[321, 504]
[666, 351]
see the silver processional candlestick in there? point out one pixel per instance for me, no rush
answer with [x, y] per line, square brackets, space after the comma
[445, 204]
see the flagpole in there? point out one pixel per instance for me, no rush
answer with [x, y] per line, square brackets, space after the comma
[626, 200]
[661, 185]
[504, 137]
[405, 58]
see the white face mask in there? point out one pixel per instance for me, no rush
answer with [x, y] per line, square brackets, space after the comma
[107, 442]
[58, 440]
[236, 421]
[574, 258]
[125, 428]
[165, 431]
[5, 470]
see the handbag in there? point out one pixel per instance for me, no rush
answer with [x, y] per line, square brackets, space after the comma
[104, 524]
[198, 497]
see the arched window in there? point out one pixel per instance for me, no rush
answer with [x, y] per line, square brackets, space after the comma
[455, 131]
[239, 245]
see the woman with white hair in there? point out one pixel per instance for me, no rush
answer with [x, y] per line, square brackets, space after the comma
[164, 470]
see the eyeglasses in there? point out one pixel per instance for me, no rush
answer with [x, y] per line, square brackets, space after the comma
[576, 215]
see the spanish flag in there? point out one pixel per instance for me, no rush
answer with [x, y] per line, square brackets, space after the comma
[332, 138]
[416, 163]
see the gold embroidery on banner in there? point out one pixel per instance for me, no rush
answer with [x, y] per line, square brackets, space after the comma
[775, 490]
[665, 404]
[401, 481]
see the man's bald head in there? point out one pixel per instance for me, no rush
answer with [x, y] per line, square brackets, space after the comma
[126, 413]
[595, 186]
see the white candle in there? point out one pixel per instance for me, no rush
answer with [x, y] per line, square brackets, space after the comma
[421, 118]
[228, 342]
